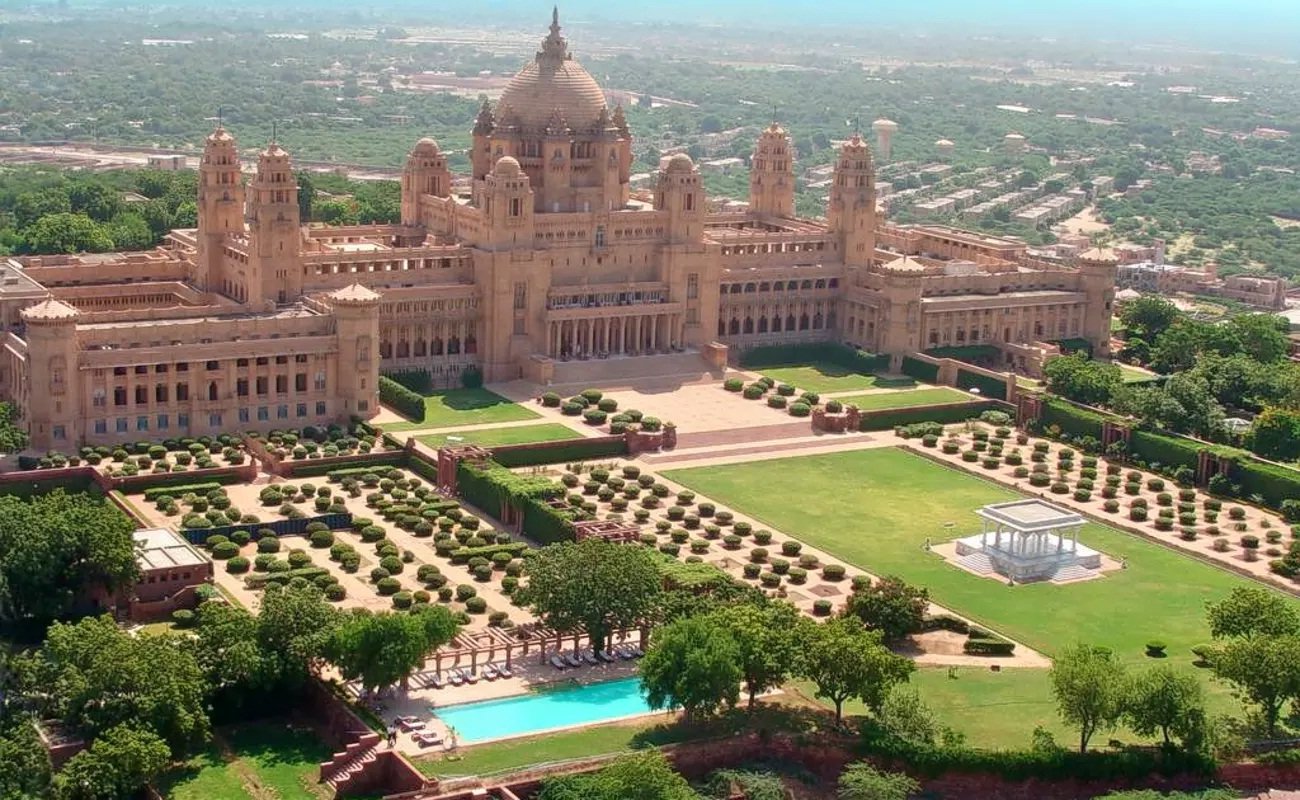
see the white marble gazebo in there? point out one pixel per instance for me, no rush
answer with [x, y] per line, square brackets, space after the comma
[1029, 540]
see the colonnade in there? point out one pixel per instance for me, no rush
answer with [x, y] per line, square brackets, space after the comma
[634, 334]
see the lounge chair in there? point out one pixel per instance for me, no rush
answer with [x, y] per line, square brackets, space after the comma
[410, 724]
[456, 677]
[490, 672]
[636, 651]
[436, 681]
[623, 652]
[559, 663]
[590, 658]
[427, 739]
[505, 671]
[572, 660]
[471, 676]
[607, 656]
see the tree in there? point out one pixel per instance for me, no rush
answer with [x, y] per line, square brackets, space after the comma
[1081, 379]
[67, 233]
[1263, 337]
[120, 762]
[31, 206]
[1149, 316]
[1165, 701]
[640, 776]
[97, 201]
[905, 715]
[846, 661]
[1264, 670]
[13, 436]
[130, 232]
[591, 586]
[98, 677]
[293, 630]
[24, 762]
[694, 664]
[1250, 611]
[1088, 683]
[385, 648]
[890, 606]
[764, 636]
[1175, 350]
[56, 550]
[1275, 434]
[862, 781]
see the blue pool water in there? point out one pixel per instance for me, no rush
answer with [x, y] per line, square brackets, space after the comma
[557, 708]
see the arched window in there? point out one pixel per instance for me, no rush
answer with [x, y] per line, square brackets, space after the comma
[435, 346]
[749, 325]
[776, 323]
[403, 349]
[421, 348]
[453, 346]
[212, 390]
[734, 327]
[722, 328]
[762, 324]
[385, 349]
[790, 322]
[817, 321]
[803, 322]
[471, 344]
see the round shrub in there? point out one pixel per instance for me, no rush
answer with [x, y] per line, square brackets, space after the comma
[733, 384]
[571, 409]
[388, 586]
[753, 392]
[731, 541]
[465, 591]
[758, 555]
[594, 416]
[224, 550]
[403, 600]
[769, 579]
[822, 608]
[1156, 649]
[322, 539]
[483, 572]
[237, 565]
[833, 572]
[751, 571]
[1249, 542]
[335, 592]
[800, 410]
[776, 401]
[184, 618]
[476, 605]
[1111, 506]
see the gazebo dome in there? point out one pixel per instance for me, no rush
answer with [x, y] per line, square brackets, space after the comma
[507, 167]
[553, 84]
[426, 145]
[680, 163]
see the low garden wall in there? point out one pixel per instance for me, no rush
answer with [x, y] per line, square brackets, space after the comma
[888, 418]
[281, 527]
[569, 450]
[960, 374]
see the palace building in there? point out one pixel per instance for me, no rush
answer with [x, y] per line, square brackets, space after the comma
[543, 262]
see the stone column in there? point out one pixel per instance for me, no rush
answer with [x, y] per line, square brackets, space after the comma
[636, 340]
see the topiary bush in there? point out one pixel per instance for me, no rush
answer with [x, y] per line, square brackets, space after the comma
[225, 550]
[238, 565]
[833, 572]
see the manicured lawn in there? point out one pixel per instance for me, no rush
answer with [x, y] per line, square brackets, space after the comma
[822, 377]
[284, 760]
[908, 399]
[1131, 374]
[875, 508]
[464, 407]
[488, 437]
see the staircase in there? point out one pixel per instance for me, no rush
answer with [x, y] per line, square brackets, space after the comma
[1073, 572]
[977, 563]
[345, 767]
[689, 365]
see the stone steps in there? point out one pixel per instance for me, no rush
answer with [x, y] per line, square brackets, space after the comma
[609, 371]
[978, 563]
[1073, 572]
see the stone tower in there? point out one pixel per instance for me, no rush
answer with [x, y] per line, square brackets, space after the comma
[53, 403]
[220, 209]
[425, 173]
[852, 211]
[507, 208]
[884, 130]
[680, 194]
[771, 174]
[274, 230]
[1099, 268]
[356, 319]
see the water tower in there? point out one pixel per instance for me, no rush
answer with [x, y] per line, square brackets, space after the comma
[884, 130]
[944, 148]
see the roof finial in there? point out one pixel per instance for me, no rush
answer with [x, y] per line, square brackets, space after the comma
[274, 131]
[555, 19]
[220, 123]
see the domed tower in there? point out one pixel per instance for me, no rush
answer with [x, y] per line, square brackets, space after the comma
[680, 194]
[884, 130]
[1098, 268]
[771, 174]
[356, 324]
[53, 391]
[507, 207]
[553, 120]
[274, 230]
[425, 173]
[220, 208]
[852, 211]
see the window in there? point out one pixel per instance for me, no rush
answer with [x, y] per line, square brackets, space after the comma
[161, 368]
[600, 235]
[516, 207]
[262, 383]
[182, 392]
[212, 365]
[182, 367]
[121, 425]
[282, 359]
[241, 387]
[243, 415]
[300, 359]
[281, 384]
[60, 433]
[363, 405]
[119, 396]
[521, 296]
[141, 370]
[241, 362]
[692, 316]
[163, 422]
[692, 286]
[142, 423]
[300, 382]
[263, 413]
[214, 420]
[320, 408]
[262, 362]
[119, 370]
[281, 412]
[99, 398]
[160, 393]
[183, 421]
[101, 426]
[302, 409]
[141, 395]
[320, 381]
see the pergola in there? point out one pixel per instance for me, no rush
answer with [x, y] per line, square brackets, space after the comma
[1030, 528]
[486, 644]
[608, 530]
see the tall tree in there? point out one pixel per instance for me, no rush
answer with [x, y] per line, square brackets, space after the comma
[120, 762]
[1250, 611]
[846, 661]
[293, 629]
[1275, 434]
[1081, 379]
[890, 606]
[1263, 337]
[1149, 316]
[1088, 683]
[765, 637]
[24, 762]
[1264, 670]
[386, 648]
[1165, 701]
[591, 586]
[694, 664]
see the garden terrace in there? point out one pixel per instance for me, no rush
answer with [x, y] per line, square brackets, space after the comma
[455, 407]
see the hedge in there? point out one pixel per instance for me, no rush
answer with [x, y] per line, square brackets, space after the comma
[780, 355]
[1071, 419]
[410, 404]
[1275, 484]
[1168, 451]
[512, 549]
[260, 579]
[153, 493]
[417, 380]
[372, 462]
[921, 370]
[885, 419]
[530, 455]
[491, 486]
[995, 388]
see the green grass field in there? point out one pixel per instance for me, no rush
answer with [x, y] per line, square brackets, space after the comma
[908, 399]
[490, 437]
[464, 407]
[822, 377]
[283, 761]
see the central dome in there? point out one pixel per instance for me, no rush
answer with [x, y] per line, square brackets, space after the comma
[554, 82]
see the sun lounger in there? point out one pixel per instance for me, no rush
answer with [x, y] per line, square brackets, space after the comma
[490, 672]
[590, 657]
[505, 672]
[559, 663]
[456, 677]
[410, 724]
[623, 652]
[471, 676]
[636, 651]
[427, 739]
[436, 681]
[572, 660]
[607, 656]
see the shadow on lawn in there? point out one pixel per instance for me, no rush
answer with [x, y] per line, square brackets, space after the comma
[469, 399]
[274, 743]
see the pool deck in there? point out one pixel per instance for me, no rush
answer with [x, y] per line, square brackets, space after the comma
[423, 703]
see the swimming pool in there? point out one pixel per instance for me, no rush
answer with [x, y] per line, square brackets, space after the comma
[543, 711]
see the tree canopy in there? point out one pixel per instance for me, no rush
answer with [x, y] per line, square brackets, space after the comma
[846, 661]
[692, 664]
[381, 649]
[1088, 683]
[640, 776]
[890, 606]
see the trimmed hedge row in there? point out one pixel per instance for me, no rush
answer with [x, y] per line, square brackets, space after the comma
[1071, 419]
[261, 579]
[921, 370]
[408, 403]
[989, 387]
[492, 486]
[417, 380]
[463, 554]
[779, 355]
[885, 419]
[372, 462]
[530, 455]
[154, 492]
